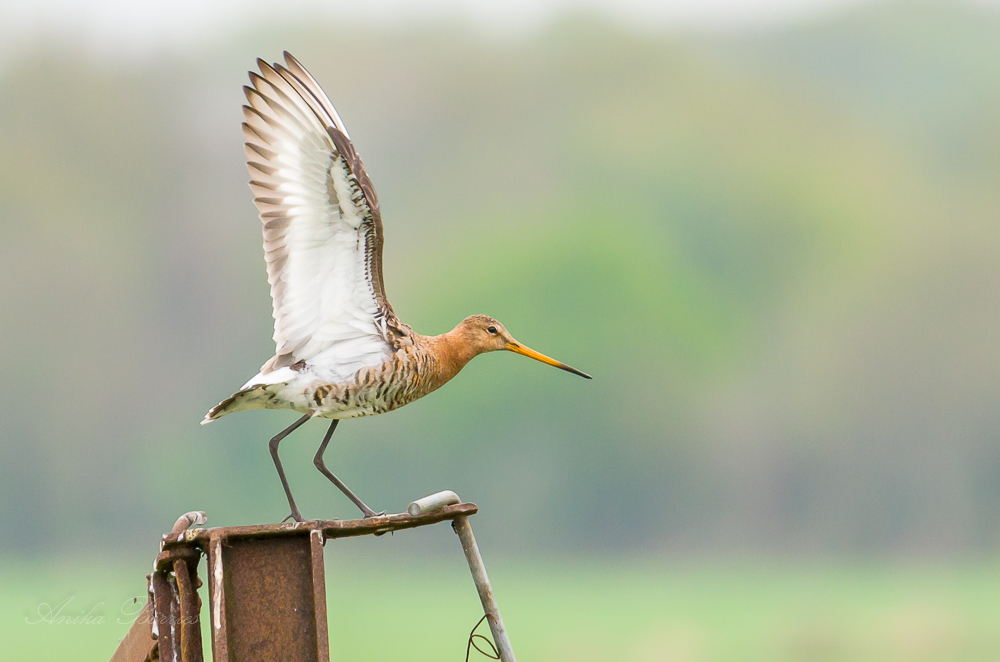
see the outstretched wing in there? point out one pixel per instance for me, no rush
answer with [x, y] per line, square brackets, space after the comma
[322, 227]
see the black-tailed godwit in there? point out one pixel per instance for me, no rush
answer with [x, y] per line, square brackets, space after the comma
[341, 351]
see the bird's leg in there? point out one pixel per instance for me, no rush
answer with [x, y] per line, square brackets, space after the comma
[318, 461]
[273, 445]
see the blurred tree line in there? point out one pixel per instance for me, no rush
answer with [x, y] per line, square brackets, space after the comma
[776, 251]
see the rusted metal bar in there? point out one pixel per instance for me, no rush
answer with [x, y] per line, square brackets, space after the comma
[172, 612]
[472, 555]
[190, 609]
[138, 644]
[316, 544]
[163, 617]
[330, 528]
[176, 604]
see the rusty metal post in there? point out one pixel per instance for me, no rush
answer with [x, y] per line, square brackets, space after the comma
[267, 586]
[464, 531]
[268, 598]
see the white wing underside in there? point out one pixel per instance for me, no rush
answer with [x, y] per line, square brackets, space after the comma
[316, 228]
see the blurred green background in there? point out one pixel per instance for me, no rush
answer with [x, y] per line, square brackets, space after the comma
[774, 246]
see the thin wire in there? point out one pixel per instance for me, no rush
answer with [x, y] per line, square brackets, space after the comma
[493, 653]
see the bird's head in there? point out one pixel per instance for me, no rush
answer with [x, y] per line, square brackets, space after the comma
[485, 334]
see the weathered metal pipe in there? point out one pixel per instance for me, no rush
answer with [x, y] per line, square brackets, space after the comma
[433, 502]
[189, 519]
[464, 531]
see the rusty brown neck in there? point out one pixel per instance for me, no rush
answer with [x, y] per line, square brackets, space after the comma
[452, 351]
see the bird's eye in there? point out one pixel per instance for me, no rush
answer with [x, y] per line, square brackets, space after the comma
[492, 330]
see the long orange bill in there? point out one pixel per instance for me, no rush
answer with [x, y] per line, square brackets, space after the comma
[518, 348]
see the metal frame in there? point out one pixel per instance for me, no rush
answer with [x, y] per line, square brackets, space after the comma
[267, 586]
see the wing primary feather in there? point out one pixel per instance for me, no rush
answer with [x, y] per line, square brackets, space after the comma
[310, 98]
[262, 188]
[287, 108]
[265, 153]
[252, 133]
[262, 169]
[294, 91]
[315, 89]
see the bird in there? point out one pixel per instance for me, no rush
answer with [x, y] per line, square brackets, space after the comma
[340, 350]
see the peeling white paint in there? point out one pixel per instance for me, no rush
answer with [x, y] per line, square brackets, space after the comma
[217, 586]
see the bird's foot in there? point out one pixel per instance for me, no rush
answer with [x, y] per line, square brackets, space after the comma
[295, 515]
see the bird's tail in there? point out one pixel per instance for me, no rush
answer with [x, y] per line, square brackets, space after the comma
[253, 397]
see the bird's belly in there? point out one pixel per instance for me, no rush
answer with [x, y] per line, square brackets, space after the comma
[353, 400]
[371, 391]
